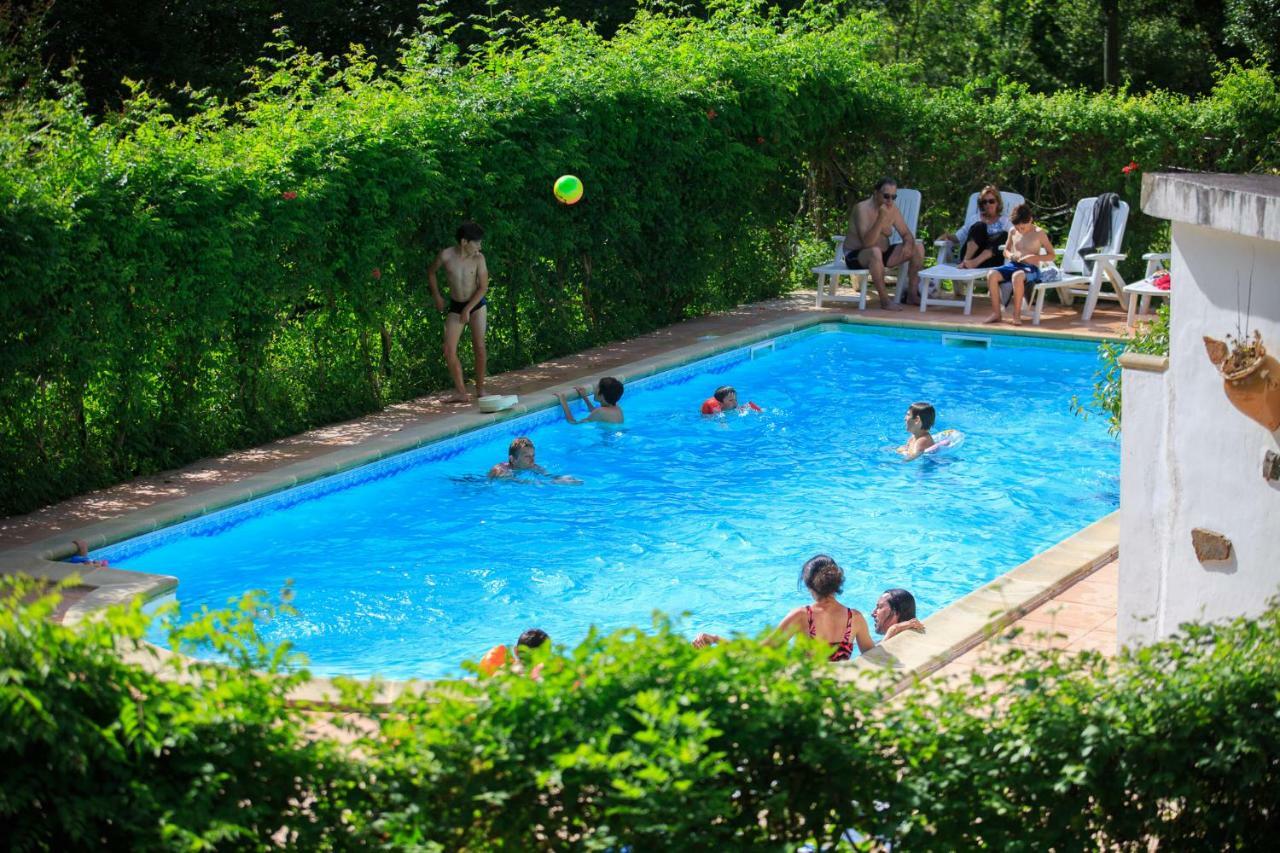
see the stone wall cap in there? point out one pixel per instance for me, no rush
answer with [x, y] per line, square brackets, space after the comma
[1248, 205]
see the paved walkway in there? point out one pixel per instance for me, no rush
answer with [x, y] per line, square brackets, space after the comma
[142, 492]
[1082, 617]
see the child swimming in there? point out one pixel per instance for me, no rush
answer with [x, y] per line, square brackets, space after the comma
[520, 458]
[918, 421]
[608, 393]
[725, 400]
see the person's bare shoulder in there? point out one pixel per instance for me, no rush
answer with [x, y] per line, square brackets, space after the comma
[792, 618]
[611, 415]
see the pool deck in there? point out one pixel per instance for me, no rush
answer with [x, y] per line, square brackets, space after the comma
[29, 542]
[1080, 618]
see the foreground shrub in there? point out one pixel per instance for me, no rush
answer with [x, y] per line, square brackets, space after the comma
[637, 739]
[97, 753]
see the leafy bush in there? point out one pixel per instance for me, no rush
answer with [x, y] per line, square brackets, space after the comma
[98, 753]
[174, 287]
[1151, 338]
[637, 739]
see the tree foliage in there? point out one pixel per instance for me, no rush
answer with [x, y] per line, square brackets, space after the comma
[1045, 44]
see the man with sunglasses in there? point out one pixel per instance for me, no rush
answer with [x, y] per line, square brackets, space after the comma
[866, 246]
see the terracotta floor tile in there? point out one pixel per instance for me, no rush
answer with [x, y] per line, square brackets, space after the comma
[1068, 616]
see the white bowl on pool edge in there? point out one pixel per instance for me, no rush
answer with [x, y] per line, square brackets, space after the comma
[497, 402]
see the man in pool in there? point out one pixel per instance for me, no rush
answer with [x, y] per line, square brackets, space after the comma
[895, 612]
[520, 457]
[919, 420]
[607, 410]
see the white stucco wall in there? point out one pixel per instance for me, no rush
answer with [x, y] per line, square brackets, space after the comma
[1191, 459]
[1144, 524]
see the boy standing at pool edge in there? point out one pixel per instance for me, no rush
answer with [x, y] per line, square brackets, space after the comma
[468, 281]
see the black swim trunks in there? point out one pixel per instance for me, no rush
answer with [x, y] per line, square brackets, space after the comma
[456, 307]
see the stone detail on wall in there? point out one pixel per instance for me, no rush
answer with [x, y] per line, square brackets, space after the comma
[1211, 546]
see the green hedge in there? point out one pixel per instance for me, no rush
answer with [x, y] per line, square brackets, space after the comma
[166, 296]
[636, 739]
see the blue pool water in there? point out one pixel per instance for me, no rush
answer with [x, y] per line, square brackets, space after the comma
[409, 566]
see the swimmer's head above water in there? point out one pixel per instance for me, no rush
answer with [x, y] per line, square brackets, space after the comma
[822, 576]
[727, 397]
[920, 418]
[520, 454]
[609, 391]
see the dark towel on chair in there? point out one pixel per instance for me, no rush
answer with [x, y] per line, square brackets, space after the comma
[1103, 205]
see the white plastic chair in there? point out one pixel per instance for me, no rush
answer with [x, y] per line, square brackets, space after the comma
[1083, 276]
[829, 275]
[944, 269]
[1144, 291]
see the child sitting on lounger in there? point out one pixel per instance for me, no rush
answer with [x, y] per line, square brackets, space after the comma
[1026, 248]
[608, 393]
[919, 420]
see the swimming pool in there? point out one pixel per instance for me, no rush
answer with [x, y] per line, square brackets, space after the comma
[405, 567]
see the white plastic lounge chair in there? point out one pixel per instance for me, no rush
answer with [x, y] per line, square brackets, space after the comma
[945, 269]
[829, 275]
[1144, 291]
[1083, 276]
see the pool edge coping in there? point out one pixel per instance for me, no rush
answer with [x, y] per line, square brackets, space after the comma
[983, 613]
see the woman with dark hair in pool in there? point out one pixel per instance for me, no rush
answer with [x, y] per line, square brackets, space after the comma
[826, 619]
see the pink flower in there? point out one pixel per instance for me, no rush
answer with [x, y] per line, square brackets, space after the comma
[288, 195]
[377, 274]
[711, 115]
[1132, 167]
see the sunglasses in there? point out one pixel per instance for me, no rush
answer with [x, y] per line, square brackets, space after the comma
[889, 196]
[986, 201]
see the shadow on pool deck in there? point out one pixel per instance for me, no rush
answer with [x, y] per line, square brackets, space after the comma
[143, 492]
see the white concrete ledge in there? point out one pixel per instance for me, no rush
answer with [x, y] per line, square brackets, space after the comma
[1144, 362]
[1248, 205]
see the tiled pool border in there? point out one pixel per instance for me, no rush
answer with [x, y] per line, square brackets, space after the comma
[952, 631]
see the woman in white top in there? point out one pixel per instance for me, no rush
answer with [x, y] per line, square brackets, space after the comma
[984, 238]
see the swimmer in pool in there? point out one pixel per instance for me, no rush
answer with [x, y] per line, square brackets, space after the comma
[919, 420]
[520, 457]
[607, 410]
[725, 399]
